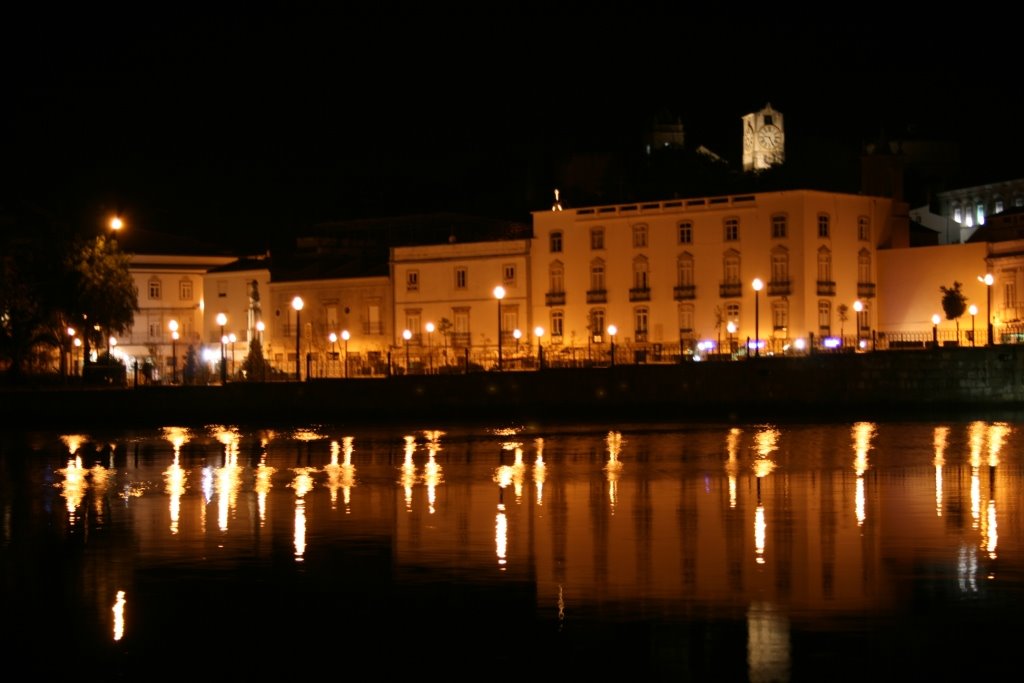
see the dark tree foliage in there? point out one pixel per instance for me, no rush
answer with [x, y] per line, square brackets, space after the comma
[255, 367]
[104, 290]
[954, 303]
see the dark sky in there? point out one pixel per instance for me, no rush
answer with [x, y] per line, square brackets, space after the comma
[257, 124]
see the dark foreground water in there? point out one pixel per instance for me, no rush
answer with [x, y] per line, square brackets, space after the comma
[847, 551]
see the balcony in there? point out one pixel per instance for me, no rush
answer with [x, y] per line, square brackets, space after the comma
[866, 290]
[684, 292]
[640, 294]
[826, 288]
[373, 328]
[730, 290]
[597, 296]
[460, 339]
[779, 288]
[554, 299]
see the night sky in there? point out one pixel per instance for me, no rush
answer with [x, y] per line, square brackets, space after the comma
[246, 128]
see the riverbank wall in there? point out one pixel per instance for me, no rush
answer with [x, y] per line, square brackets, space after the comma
[947, 383]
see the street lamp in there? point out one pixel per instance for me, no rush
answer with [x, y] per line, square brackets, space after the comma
[730, 328]
[988, 280]
[116, 223]
[173, 327]
[222, 320]
[935, 330]
[345, 335]
[297, 304]
[517, 334]
[758, 286]
[77, 344]
[334, 345]
[407, 335]
[538, 332]
[857, 308]
[612, 330]
[499, 294]
[430, 346]
[973, 310]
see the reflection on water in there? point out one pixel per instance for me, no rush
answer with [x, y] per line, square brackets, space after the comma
[752, 552]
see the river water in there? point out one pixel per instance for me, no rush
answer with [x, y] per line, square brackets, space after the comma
[718, 552]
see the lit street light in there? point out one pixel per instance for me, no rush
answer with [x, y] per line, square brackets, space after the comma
[116, 223]
[730, 329]
[973, 310]
[430, 346]
[538, 332]
[334, 345]
[935, 330]
[297, 304]
[517, 334]
[499, 294]
[988, 280]
[758, 286]
[173, 327]
[612, 330]
[222, 320]
[857, 308]
[345, 335]
[406, 335]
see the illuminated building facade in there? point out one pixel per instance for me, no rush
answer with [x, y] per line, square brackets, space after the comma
[764, 139]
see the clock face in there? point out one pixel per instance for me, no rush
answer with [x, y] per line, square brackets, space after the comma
[769, 137]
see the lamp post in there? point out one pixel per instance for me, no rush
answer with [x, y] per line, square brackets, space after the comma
[173, 327]
[935, 330]
[76, 344]
[857, 308]
[430, 346]
[297, 304]
[333, 338]
[612, 330]
[973, 310]
[988, 280]
[232, 338]
[499, 294]
[345, 335]
[517, 334]
[222, 320]
[758, 285]
[538, 332]
[406, 335]
[730, 329]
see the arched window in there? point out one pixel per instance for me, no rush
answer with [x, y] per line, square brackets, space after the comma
[640, 273]
[780, 266]
[684, 269]
[556, 277]
[864, 267]
[597, 275]
[731, 267]
[824, 265]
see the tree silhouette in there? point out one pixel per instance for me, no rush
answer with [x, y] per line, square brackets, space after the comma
[954, 304]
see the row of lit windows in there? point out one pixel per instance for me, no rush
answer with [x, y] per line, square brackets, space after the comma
[730, 232]
[155, 289]
[964, 215]
[460, 277]
[685, 266]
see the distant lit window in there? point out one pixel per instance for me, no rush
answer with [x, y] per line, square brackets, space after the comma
[969, 219]
[556, 242]
[597, 238]
[823, 225]
[1018, 201]
[732, 229]
[864, 229]
[461, 277]
[732, 313]
[958, 216]
[999, 206]
[508, 274]
[556, 277]
[780, 314]
[557, 322]
[597, 325]
[824, 317]
[640, 316]
[154, 288]
[639, 236]
[1009, 293]
[685, 232]
[778, 227]
[185, 290]
[155, 329]
[685, 319]
[980, 212]
[412, 280]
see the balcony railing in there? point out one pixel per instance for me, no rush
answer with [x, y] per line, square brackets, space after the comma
[373, 328]
[866, 290]
[728, 290]
[460, 339]
[597, 296]
[640, 294]
[554, 299]
[779, 288]
[684, 292]
[826, 288]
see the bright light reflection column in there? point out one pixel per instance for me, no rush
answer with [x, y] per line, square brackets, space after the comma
[613, 468]
[408, 477]
[732, 465]
[432, 471]
[118, 610]
[174, 475]
[940, 448]
[997, 434]
[348, 473]
[303, 484]
[766, 442]
[863, 432]
[976, 436]
[263, 482]
[228, 477]
[539, 470]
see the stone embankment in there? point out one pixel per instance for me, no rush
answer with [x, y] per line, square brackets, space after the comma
[949, 383]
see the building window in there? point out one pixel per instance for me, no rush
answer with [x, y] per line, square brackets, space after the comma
[862, 320]
[413, 324]
[1018, 201]
[155, 329]
[864, 267]
[556, 242]
[732, 229]
[1009, 298]
[863, 229]
[639, 236]
[640, 273]
[999, 206]
[597, 325]
[685, 320]
[824, 265]
[686, 232]
[154, 288]
[460, 326]
[597, 276]
[597, 238]
[556, 277]
[640, 316]
[823, 225]
[508, 274]
[780, 266]
[460, 277]
[824, 318]
[732, 313]
[684, 268]
[222, 289]
[980, 213]
[780, 315]
[731, 267]
[778, 227]
[557, 322]
[412, 280]
[185, 290]
[958, 216]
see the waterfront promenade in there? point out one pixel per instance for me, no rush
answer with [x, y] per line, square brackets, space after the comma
[948, 382]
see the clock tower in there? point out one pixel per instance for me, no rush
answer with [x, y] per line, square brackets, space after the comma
[764, 139]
